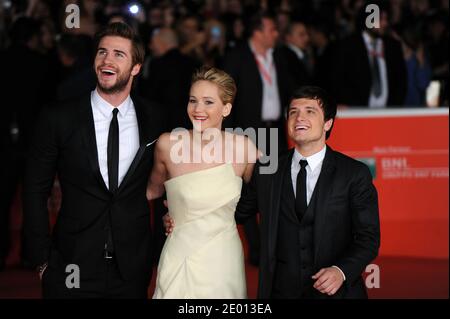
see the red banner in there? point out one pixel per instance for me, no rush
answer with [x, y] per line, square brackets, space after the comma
[407, 152]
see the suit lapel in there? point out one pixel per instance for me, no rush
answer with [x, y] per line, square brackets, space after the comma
[323, 191]
[88, 133]
[145, 135]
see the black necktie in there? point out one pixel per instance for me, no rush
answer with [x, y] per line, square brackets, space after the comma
[301, 203]
[376, 79]
[113, 170]
[113, 153]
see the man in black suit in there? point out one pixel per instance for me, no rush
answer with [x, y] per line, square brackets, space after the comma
[296, 44]
[100, 146]
[262, 77]
[263, 87]
[369, 68]
[319, 211]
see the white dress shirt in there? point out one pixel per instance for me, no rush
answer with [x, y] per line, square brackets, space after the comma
[380, 101]
[313, 170]
[271, 105]
[128, 133]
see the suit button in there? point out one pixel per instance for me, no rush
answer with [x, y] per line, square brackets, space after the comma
[303, 248]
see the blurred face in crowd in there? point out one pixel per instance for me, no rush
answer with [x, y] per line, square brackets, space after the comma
[155, 17]
[168, 17]
[318, 38]
[306, 123]
[91, 5]
[298, 36]
[238, 29]
[283, 20]
[157, 45]
[268, 35]
[205, 108]
[234, 6]
[189, 28]
[384, 25]
[114, 64]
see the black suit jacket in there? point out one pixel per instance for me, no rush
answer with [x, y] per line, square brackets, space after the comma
[297, 68]
[351, 76]
[65, 145]
[240, 63]
[346, 224]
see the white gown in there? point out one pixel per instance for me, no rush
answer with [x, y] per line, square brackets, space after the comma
[203, 256]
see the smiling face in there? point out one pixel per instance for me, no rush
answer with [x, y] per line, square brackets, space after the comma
[205, 107]
[114, 64]
[306, 124]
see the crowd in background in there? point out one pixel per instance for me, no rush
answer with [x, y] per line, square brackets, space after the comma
[206, 30]
[319, 41]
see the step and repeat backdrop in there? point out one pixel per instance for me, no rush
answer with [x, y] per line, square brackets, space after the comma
[407, 153]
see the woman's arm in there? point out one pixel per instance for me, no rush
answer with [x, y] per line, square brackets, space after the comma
[158, 176]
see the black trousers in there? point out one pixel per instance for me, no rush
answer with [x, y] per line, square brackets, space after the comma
[108, 284]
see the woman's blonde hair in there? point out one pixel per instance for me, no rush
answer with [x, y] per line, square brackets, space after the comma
[227, 87]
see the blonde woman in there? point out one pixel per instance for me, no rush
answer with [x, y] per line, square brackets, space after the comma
[202, 171]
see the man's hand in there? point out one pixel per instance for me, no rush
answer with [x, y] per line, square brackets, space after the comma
[328, 280]
[168, 222]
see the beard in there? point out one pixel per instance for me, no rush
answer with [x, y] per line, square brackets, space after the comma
[121, 83]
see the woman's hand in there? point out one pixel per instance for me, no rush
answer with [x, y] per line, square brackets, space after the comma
[169, 224]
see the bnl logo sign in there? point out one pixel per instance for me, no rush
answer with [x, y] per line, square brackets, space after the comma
[373, 19]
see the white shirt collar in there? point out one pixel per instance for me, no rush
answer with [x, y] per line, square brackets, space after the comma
[106, 109]
[299, 52]
[370, 42]
[313, 161]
